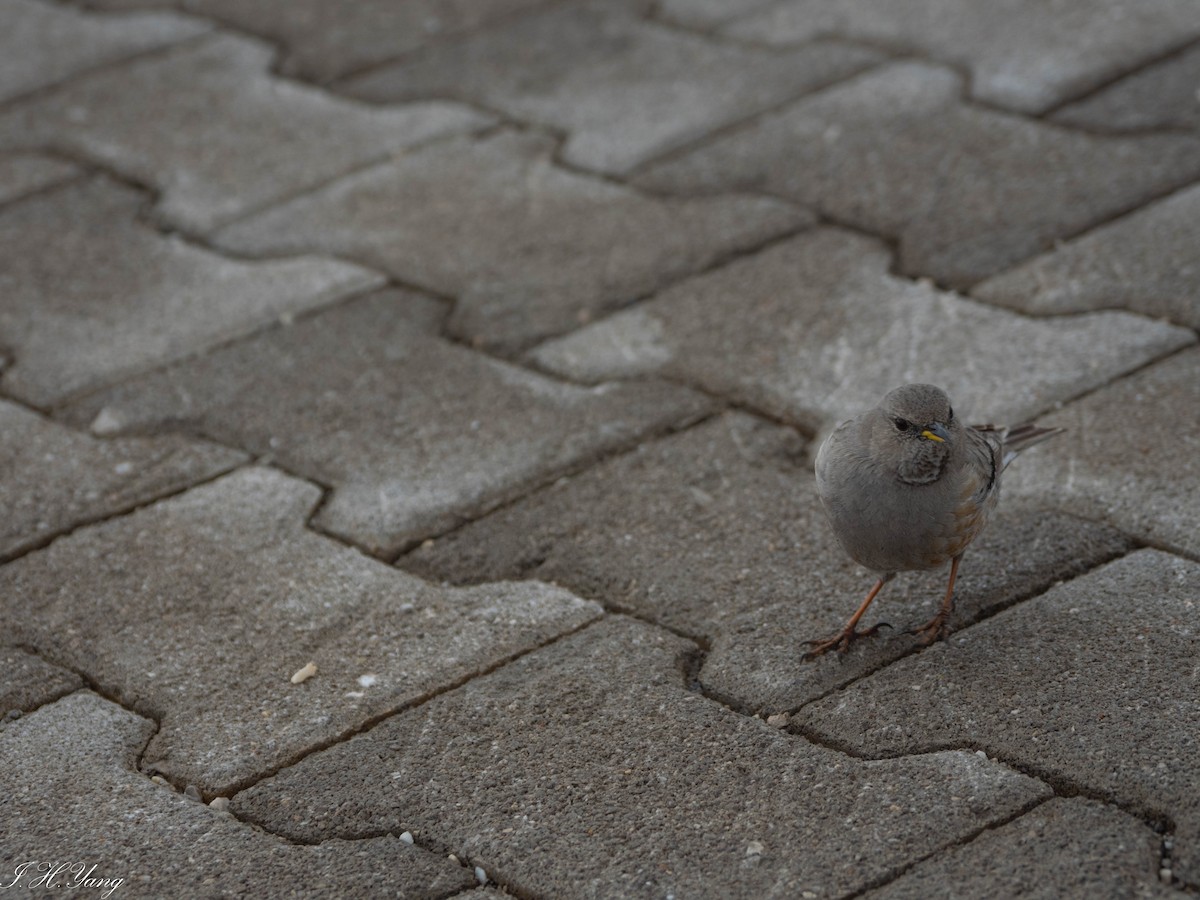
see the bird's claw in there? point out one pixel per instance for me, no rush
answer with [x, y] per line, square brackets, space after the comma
[840, 641]
[932, 631]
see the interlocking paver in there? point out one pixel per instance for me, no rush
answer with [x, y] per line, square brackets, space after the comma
[200, 609]
[30, 681]
[1158, 96]
[92, 294]
[1130, 457]
[67, 774]
[45, 43]
[1026, 55]
[322, 40]
[24, 173]
[53, 479]
[707, 13]
[1148, 262]
[967, 191]
[527, 249]
[1094, 683]
[588, 769]
[204, 124]
[815, 329]
[1064, 848]
[414, 433]
[624, 89]
[718, 532]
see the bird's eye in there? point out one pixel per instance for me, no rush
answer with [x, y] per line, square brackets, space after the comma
[902, 424]
[950, 415]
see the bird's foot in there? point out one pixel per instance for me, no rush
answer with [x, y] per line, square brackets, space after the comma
[932, 631]
[840, 641]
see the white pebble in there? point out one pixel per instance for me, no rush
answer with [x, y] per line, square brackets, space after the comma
[480, 875]
[220, 804]
[407, 837]
[304, 674]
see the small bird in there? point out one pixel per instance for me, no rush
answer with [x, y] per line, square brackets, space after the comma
[907, 487]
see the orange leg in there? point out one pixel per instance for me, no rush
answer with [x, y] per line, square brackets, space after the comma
[841, 640]
[935, 628]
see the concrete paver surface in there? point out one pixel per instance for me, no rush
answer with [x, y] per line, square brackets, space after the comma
[407, 423]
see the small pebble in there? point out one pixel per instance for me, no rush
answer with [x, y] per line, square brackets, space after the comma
[158, 779]
[192, 793]
[755, 848]
[12, 715]
[304, 674]
[407, 837]
[106, 423]
[220, 804]
[1165, 876]
[778, 720]
[480, 875]
[452, 857]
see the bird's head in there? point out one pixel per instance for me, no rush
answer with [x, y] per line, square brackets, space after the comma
[914, 432]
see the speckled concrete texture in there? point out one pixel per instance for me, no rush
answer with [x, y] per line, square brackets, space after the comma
[68, 770]
[599, 734]
[408, 413]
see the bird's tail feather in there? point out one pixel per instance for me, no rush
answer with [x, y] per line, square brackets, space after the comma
[1017, 438]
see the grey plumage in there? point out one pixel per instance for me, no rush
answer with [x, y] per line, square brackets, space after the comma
[907, 486]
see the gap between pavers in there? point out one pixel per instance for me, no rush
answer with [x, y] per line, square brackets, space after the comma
[526, 247]
[73, 796]
[198, 610]
[718, 533]
[587, 768]
[966, 191]
[623, 89]
[203, 123]
[94, 295]
[413, 432]
[816, 328]
[55, 479]
[43, 44]
[1025, 55]
[1093, 684]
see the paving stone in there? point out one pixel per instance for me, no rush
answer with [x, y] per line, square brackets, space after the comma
[205, 123]
[1094, 684]
[1026, 55]
[72, 795]
[1130, 457]
[1163, 95]
[323, 41]
[1148, 261]
[707, 13]
[624, 89]
[967, 191]
[413, 432]
[29, 682]
[527, 248]
[45, 43]
[816, 329]
[92, 294]
[199, 610]
[718, 532]
[1064, 848]
[588, 769]
[25, 173]
[53, 479]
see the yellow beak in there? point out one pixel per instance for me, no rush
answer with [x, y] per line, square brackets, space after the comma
[931, 436]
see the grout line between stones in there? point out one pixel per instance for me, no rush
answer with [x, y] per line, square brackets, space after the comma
[127, 510]
[1101, 86]
[432, 694]
[38, 93]
[984, 615]
[902, 869]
